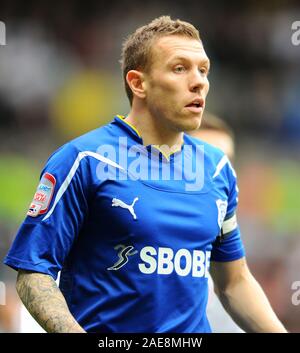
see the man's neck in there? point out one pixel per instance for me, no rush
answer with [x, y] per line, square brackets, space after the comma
[154, 133]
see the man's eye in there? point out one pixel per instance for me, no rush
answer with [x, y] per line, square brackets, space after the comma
[179, 69]
[204, 71]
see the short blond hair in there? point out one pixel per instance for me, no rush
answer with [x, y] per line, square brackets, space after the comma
[136, 50]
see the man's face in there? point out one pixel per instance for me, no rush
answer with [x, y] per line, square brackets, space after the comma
[177, 83]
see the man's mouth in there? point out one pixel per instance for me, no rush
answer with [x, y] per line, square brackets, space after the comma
[196, 105]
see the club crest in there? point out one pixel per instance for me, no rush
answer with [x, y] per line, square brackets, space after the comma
[222, 210]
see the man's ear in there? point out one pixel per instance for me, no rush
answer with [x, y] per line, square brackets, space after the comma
[136, 81]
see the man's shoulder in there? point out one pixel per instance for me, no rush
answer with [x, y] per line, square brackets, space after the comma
[82, 145]
[91, 140]
[211, 152]
[215, 160]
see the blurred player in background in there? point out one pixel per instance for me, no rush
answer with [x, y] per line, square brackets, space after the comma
[218, 133]
[134, 252]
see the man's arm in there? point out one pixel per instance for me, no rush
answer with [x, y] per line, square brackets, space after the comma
[243, 298]
[45, 302]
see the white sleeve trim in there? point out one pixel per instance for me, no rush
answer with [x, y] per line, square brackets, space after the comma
[72, 172]
[224, 160]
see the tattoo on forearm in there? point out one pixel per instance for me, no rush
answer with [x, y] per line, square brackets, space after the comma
[45, 302]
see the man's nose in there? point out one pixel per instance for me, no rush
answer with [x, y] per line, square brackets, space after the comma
[198, 80]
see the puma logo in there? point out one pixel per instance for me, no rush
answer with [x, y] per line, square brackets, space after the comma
[120, 203]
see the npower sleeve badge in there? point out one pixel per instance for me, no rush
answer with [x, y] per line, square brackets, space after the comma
[42, 196]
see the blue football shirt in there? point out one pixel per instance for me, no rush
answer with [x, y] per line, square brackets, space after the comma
[131, 230]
